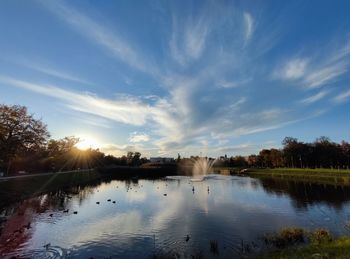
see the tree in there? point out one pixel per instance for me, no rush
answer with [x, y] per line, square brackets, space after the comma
[253, 160]
[20, 133]
[290, 146]
[129, 157]
[136, 158]
[276, 157]
[60, 151]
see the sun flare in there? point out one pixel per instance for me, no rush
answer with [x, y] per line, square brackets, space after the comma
[86, 143]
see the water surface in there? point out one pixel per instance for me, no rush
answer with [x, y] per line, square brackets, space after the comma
[172, 215]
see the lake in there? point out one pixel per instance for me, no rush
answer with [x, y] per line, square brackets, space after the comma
[173, 215]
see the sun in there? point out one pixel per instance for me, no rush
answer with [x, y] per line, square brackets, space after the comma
[86, 143]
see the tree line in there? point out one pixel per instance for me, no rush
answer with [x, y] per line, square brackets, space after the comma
[25, 145]
[321, 153]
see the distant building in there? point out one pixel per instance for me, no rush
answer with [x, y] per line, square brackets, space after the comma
[162, 160]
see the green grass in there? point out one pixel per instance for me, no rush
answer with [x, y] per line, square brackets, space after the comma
[328, 171]
[326, 176]
[339, 248]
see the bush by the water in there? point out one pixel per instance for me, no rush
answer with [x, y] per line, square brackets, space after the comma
[320, 236]
[286, 237]
[293, 236]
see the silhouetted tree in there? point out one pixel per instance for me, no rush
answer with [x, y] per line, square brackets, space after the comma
[20, 133]
[136, 159]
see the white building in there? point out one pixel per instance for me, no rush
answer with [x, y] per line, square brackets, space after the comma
[162, 160]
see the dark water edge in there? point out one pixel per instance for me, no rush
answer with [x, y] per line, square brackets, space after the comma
[15, 190]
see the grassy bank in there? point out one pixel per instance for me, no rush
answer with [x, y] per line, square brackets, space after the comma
[338, 248]
[308, 171]
[329, 176]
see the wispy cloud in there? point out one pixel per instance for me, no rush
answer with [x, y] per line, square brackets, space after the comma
[234, 84]
[100, 35]
[324, 75]
[56, 73]
[314, 98]
[315, 72]
[195, 39]
[45, 67]
[249, 25]
[294, 69]
[127, 110]
[188, 39]
[211, 87]
[173, 119]
[342, 97]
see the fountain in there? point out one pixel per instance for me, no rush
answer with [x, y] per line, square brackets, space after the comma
[201, 167]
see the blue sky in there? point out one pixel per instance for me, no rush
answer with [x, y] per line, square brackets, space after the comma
[168, 77]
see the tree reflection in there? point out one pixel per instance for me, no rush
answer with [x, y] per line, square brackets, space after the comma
[304, 194]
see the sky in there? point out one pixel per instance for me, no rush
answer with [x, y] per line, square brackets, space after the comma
[189, 77]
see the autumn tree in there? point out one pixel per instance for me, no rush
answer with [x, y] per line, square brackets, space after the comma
[20, 133]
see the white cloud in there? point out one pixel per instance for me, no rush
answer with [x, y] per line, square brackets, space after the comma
[344, 96]
[128, 110]
[324, 75]
[234, 84]
[314, 98]
[46, 68]
[188, 40]
[195, 38]
[249, 25]
[315, 71]
[198, 105]
[292, 70]
[138, 137]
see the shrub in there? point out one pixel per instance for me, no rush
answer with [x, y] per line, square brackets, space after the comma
[320, 236]
[286, 237]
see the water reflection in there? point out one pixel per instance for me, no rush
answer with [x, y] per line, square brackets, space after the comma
[221, 211]
[306, 194]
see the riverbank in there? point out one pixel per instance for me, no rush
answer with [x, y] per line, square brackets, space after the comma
[338, 248]
[329, 176]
